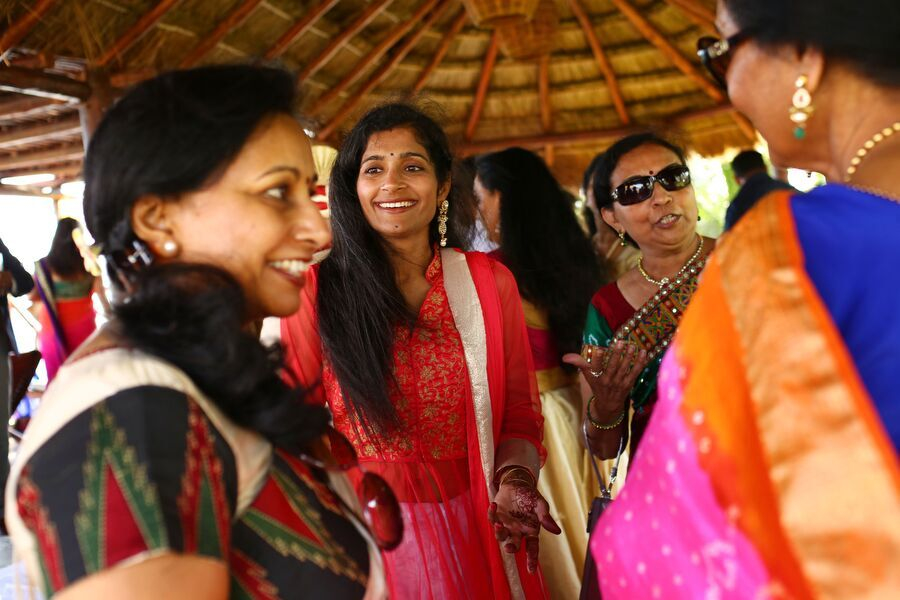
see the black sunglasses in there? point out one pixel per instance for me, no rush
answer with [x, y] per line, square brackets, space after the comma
[715, 54]
[639, 188]
[381, 510]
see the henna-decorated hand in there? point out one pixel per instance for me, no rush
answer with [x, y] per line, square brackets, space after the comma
[517, 513]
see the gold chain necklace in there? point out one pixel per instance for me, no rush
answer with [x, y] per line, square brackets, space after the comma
[866, 147]
[665, 280]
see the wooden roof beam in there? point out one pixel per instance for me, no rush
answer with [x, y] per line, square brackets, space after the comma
[61, 171]
[442, 49]
[38, 159]
[696, 12]
[30, 107]
[593, 135]
[372, 56]
[701, 22]
[18, 30]
[587, 26]
[40, 133]
[649, 31]
[299, 27]
[43, 85]
[484, 82]
[348, 32]
[136, 31]
[234, 19]
[379, 75]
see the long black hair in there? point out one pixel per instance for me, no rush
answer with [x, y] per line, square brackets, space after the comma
[541, 241]
[606, 163]
[359, 302]
[863, 33]
[170, 135]
[64, 257]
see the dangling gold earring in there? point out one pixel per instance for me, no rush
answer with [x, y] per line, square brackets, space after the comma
[801, 108]
[622, 241]
[442, 222]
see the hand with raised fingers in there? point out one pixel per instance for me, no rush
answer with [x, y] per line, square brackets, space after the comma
[518, 513]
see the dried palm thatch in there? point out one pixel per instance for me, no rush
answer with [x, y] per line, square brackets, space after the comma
[532, 39]
[615, 66]
[494, 13]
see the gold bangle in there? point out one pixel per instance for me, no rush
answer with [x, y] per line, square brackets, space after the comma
[516, 473]
[604, 426]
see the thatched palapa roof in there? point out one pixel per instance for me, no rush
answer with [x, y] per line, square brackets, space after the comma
[567, 83]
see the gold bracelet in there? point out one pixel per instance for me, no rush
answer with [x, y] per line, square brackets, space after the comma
[604, 426]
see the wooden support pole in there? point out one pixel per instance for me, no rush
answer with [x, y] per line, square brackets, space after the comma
[372, 56]
[136, 31]
[40, 133]
[649, 31]
[561, 139]
[484, 84]
[544, 93]
[39, 159]
[587, 26]
[299, 27]
[546, 107]
[346, 33]
[91, 110]
[382, 72]
[745, 126]
[42, 85]
[234, 19]
[441, 52]
[18, 30]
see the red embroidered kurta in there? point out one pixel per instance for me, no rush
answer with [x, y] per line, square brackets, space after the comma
[427, 459]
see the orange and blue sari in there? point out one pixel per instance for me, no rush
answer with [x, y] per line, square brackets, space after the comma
[770, 466]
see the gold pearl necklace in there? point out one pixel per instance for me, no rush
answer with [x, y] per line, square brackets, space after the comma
[866, 147]
[665, 280]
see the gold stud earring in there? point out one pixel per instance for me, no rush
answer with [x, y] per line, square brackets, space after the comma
[801, 107]
[442, 222]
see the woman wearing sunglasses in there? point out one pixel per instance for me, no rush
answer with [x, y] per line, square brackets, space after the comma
[643, 189]
[421, 352]
[771, 467]
[169, 459]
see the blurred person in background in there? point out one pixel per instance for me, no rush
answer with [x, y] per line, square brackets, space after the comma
[64, 293]
[14, 281]
[770, 468]
[533, 220]
[752, 175]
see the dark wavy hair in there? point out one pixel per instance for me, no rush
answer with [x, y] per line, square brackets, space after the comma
[359, 302]
[606, 163]
[64, 257]
[173, 134]
[541, 241]
[863, 33]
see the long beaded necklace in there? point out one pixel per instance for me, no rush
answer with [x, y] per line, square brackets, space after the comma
[665, 280]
